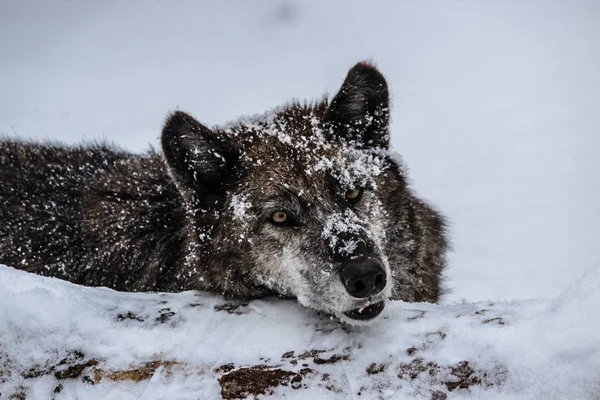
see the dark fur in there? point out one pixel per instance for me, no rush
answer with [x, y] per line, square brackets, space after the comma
[98, 216]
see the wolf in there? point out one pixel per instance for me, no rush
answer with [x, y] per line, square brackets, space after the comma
[305, 201]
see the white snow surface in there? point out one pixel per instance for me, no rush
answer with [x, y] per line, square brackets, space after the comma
[536, 349]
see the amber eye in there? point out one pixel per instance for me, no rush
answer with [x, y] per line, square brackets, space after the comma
[354, 194]
[279, 217]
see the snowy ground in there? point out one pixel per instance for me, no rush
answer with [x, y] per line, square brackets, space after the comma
[62, 340]
[495, 111]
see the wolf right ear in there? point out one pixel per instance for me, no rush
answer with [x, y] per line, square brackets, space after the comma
[198, 160]
[359, 112]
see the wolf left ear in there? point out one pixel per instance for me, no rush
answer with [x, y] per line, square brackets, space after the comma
[199, 161]
[359, 112]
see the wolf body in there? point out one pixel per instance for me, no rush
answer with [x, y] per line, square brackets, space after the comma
[306, 201]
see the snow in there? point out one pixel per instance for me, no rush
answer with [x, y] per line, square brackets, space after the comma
[239, 204]
[337, 223]
[494, 113]
[527, 349]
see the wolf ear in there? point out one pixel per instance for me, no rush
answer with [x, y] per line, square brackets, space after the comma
[359, 112]
[198, 160]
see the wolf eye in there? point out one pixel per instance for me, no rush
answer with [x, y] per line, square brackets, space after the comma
[279, 217]
[354, 194]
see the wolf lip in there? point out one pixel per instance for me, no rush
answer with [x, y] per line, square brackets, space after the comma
[368, 312]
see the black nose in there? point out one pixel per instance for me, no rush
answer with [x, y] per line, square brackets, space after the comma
[364, 278]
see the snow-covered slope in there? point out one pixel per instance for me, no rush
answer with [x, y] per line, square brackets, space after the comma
[63, 341]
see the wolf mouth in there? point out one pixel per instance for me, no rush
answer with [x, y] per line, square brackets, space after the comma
[366, 313]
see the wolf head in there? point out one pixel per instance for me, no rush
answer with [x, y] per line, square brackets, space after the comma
[294, 202]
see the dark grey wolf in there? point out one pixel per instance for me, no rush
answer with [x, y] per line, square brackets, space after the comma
[305, 201]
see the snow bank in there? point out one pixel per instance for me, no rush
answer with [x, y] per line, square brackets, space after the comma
[63, 341]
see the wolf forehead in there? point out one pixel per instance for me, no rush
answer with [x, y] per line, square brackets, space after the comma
[298, 153]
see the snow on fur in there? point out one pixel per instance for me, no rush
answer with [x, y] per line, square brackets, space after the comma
[338, 223]
[350, 166]
[239, 204]
[68, 341]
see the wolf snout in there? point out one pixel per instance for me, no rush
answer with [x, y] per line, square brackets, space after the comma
[364, 278]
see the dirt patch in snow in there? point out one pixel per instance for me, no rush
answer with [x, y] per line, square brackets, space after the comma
[375, 369]
[316, 355]
[223, 369]
[136, 374]
[164, 316]
[497, 320]
[418, 315]
[260, 379]
[75, 370]
[129, 316]
[75, 366]
[452, 377]
[331, 360]
[231, 308]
